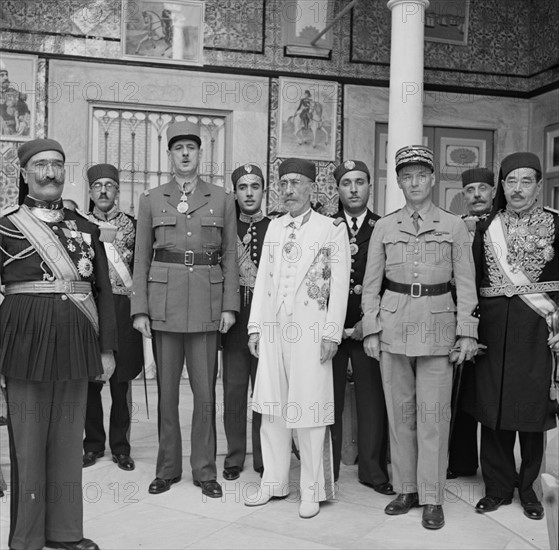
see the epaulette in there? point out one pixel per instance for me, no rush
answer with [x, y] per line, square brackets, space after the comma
[552, 210]
[449, 212]
[146, 193]
[9, 209]
[391, 213]
[338, 221]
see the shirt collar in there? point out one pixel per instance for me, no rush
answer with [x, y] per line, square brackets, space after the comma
[422, 211]
[360, 219]
[106, 216]
[299, 220]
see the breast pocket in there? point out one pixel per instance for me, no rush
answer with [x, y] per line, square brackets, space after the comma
[398, 248]
[216, 291]
[437, 250]
[165, 231]
[212, 227]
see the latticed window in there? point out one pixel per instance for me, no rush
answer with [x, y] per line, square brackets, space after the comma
[134, 140]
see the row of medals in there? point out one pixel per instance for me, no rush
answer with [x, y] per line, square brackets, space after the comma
[354, 249]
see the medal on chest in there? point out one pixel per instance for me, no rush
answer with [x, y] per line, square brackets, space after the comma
[353, 248]
[182, 207]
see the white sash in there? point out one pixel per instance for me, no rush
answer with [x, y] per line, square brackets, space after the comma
[120, 266]
[540, 302]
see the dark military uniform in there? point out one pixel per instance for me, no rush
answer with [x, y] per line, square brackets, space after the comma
[129, 359]
[48, 351]
[185, 274]
[372, 438]
[239, 366]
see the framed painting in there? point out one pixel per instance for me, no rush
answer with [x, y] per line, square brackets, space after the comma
[162, 31]
[307, 119]
[17, 96]
[551, 151]
[447, 21]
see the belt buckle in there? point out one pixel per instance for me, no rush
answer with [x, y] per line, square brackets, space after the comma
[64, 287]
[189, 258]
[413, 293]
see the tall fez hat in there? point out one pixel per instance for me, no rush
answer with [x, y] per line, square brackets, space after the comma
[99, 171]
[29, 149]
[350, 166]
[183, 130]
[414, 154]
[478, 175]
[298, 166]
[246, 170]
[519, 160]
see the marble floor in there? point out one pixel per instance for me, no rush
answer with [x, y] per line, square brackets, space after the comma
[119, 513]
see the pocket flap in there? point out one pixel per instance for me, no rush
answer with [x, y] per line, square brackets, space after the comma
[164, 221]
[211, 221]
[442, 304]
[396, 238]
[158, 274]
[216, 275]
[390, 301]
[438, 237]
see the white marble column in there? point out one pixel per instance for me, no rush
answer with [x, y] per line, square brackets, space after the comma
[405, 110]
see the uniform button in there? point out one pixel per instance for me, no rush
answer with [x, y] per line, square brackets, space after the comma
[269, 293]
[191, 269]
[64, 297]
[416, 251]
[214, 223]
[151, 278]
[163, 211]
[189, 234]
[306, 302]
[187, 217]
[351, 281]
[352, 270]
[416, 263]
[416, 240]
[285, 295]
[161, 223]
[352, 260]
[271, 274]
[415, 275]
[55, 228]
[254, 254]
[254, 246]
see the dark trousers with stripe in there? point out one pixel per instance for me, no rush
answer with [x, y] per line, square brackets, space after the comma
[119, 420]
[46, 422]
[200, 351]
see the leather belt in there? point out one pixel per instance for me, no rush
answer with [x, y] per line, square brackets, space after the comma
[415, 290]
[48, 287]
[510, 290]
[188, 257]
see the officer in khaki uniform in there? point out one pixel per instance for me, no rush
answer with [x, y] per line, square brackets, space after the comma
[185, 289]
[412, 326]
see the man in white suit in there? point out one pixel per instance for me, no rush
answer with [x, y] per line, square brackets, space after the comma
[295, 326]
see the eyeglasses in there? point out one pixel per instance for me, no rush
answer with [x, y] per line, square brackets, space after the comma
[42, 165]
[525, 183]
[285, 182]
[109, 186]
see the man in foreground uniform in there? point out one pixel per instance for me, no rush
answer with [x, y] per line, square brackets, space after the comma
[354, 186]
[57, 330]
[296, 323]
[412, 327]
[119, 246]
[517, 266]
[239, 366]
[478, 191]
[186, 288]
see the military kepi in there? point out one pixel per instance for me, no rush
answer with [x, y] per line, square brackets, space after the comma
[183, 130]
[478, 175]
[298, 166]
[102, 171]
[350, 166]
[26, 151]
[246, 170]
[414, 154]
[520, 160]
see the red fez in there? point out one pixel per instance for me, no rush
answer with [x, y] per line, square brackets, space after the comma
[350, 166]
[519, 160]
[414, 154]
[298, 166]
[102, 171]
[29, 149]
[183, 130]
[246, 170]
[478, 175]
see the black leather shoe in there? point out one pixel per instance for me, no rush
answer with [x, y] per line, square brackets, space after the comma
[125, 462]
[452, 474]
[229, 474]
[159, 485]
[3, 421]
[210, 488]
[260, 470]
[90, 458]
[402, 504]
[490, 504]
[433, 516]
[533, 510]
[382, 488]
[84, 544]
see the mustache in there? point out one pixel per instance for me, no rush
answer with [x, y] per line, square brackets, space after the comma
[48, 181]
[517, 195]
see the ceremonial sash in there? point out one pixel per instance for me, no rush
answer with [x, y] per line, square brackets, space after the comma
[119, 265]
[47, 245]
[540, 302]
[247, 269]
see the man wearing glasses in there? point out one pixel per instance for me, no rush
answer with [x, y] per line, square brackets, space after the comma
[118, 231]
[517, 264]
[295, 325]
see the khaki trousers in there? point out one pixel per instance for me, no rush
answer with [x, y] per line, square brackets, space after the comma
[418, 392]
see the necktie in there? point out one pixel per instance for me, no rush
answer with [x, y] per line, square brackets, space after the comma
[415, 217]
[354, 227]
